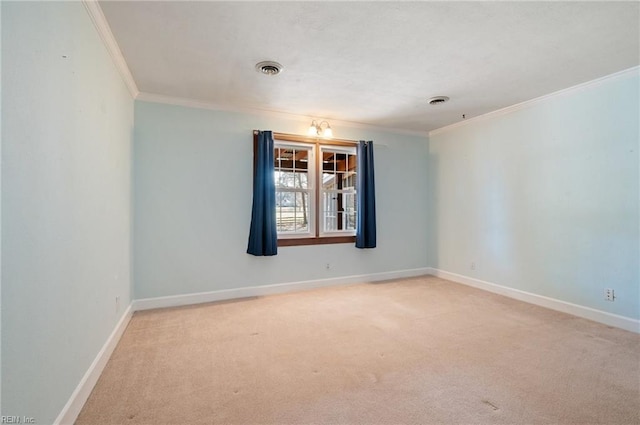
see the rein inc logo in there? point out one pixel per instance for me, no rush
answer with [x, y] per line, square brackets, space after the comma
[17, 420]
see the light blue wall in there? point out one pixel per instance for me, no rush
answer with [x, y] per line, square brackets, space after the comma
[544, 199]
[66, 178]
[193, 183]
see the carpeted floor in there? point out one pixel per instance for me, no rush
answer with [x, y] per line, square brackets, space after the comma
[412, 351]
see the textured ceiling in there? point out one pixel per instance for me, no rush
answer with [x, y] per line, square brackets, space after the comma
[373, 62]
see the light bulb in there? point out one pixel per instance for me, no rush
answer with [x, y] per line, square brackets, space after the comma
[313, 129]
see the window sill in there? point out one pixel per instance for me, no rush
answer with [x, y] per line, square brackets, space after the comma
[316, 241]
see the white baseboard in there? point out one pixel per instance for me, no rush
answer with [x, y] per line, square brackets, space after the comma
[255, 291]
[600, 316]
[72, 409]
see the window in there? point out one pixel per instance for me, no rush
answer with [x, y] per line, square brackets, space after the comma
[295, 189]
[338, 189]
[315, 190]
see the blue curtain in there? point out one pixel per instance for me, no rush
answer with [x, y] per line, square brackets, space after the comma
[263, 236]
[366, 195]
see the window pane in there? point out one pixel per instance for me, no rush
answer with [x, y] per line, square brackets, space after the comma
[330, 211]
[328, 181]
[283, 159]
[338, 211]
[349, 180]
[349, 202]
[285, 199]
[291, 179]
[290, 159]
[341, 161]
[301, 213]
[282, 205]
[351, 163]
[291, 168]
[284, 179]
[300, 180]
[292, 212]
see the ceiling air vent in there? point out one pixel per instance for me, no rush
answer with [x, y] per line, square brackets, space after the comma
[269, 68]
[438, 100]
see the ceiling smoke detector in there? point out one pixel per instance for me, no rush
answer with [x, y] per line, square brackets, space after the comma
[438, 100]
[269, 68]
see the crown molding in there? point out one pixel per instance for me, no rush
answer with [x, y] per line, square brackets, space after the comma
[533, 102]
[201, 104]
[100, 22]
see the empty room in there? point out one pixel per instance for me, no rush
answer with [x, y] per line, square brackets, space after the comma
[320, 212]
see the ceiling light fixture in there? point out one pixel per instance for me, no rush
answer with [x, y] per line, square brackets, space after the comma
[315, 129]
[269, 68]
[438, 100]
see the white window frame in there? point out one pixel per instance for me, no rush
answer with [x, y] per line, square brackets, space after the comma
[311, 188]
[349, 150]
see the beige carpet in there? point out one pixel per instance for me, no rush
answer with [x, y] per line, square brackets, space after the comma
[414, 351]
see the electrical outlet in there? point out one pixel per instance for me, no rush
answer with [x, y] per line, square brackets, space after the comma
[327, 266]
[473, 266]
[609, 294]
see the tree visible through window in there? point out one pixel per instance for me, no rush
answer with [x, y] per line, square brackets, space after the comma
[315, 191]
[294, 188]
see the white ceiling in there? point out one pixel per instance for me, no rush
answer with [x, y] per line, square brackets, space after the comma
[373, 62]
